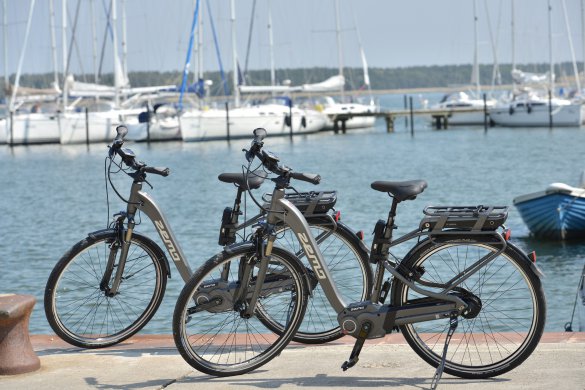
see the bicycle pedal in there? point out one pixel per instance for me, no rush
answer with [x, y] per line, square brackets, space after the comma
[349, 364]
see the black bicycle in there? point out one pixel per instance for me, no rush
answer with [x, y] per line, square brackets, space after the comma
[109, 285]
[467, 300]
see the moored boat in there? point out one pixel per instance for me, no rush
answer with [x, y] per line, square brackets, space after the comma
[555, 213]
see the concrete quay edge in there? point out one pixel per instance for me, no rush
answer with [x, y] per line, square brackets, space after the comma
[152, 362]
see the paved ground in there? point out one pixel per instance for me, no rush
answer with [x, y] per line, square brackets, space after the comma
[152, 362]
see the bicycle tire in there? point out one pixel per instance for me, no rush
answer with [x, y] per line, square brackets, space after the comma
[201, 336]
[507, 328]
[350, 270]
[83, 315]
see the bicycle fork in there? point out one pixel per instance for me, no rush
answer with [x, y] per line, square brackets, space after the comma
[245, 301]
[121, 245]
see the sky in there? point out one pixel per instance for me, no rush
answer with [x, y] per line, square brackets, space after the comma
[393, 33]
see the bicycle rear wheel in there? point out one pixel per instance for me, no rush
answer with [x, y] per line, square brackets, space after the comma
[81, 313]
[506, 325]
[212, 332]
[349, 268]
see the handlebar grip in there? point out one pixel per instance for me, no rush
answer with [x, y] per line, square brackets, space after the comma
[122, 131]
[259, 134]
[158, 170]
[312, 178]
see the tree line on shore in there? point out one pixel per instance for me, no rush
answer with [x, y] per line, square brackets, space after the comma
[435, 76]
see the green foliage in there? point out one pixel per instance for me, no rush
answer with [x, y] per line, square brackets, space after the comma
[435, 76]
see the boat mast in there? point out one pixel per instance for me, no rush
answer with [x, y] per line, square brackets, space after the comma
[513, 27]
[234, 55]
[363, 57]
[200, 47]
[93, 41]
[271, 43]
[339, 48]
[5, 35]
[574, 60]
[475, 71]
[583, 33]
[64, 50]
[550, 50]
[21, 60]
[189, 51]
[53, 42]
[116, 59]
[124, 44]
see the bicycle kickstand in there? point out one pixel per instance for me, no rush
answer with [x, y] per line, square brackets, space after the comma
[453, 322]
[354, 356]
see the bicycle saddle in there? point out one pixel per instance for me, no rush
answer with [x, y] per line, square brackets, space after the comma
[401, 190]
[255, 180]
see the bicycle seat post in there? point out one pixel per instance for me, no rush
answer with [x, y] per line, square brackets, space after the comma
[380, 248]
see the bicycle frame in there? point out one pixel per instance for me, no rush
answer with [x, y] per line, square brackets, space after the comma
[142, 201]
[284, 211]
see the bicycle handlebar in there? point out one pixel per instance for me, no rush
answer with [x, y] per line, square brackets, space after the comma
[270, 161]
[128, 156]
[312, 178]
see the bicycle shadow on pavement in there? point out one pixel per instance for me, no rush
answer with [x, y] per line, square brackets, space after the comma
[328, 381]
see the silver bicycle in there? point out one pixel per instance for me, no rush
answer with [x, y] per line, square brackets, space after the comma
[463, 285]
[109, 285]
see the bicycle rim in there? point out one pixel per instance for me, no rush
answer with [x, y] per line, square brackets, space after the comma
[508, 325]
[219, 340]
[85, 316]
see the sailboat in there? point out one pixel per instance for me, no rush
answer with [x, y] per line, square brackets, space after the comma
[334, 109]
[532, 103]
[212, 123]
[30, 120]
[464, 100]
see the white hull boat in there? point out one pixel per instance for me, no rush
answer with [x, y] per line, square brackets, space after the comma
[31, 128]
[535, 113]
[211, 124]
[461, 100]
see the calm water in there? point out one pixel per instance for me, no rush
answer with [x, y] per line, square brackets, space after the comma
[52, 195]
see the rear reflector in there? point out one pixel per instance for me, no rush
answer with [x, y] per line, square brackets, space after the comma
[532, 256]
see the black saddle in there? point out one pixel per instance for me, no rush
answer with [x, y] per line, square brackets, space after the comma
[401, 190]
[255, 180]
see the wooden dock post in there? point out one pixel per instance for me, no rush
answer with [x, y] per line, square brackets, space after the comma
[411, 117]
[405, 108]
[87, 127]
[389, 123]
[485, 114]
[550, 119]
[291, 118]
[227, 121]
[11, 128]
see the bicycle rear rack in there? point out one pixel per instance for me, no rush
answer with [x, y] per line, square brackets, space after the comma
[471, 218]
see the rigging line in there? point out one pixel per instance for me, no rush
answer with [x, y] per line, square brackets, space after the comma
[108, 12]
[73, 31]
[188, 59]
[249, 41]
[221, 72]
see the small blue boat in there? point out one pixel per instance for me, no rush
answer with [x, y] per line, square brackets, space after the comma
[557, 213]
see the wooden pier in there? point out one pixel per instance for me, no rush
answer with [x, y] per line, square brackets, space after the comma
[440, 117]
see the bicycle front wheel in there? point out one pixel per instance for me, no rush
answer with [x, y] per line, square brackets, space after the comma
[509, 312]
[213, 333]
[82, 313]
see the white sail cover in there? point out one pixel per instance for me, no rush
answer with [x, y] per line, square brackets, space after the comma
[334, 83]
[531, 78]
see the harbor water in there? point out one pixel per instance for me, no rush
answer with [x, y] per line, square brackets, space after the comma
[53, 195]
